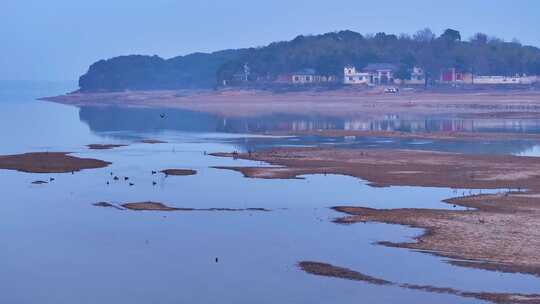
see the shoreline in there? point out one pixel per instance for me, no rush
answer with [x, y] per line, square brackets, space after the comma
[336, 103]
[332, 271]
[485, 236]
[384, 168]
[436, 135]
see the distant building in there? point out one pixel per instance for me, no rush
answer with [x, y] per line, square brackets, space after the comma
[380, 73]
[305, 76]
[453, 76]
[352, 76]
[372, 74]
[502, 80]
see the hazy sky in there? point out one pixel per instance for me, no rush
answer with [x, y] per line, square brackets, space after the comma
[59, 39]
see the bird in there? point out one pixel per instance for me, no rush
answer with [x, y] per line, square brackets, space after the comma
[162, 115]
[111, 174]
[154, 183]
[51, 179]
[153, 172]
[108, 183]
[131, 184]
[126, 178]
[116, 178]
[217, 260]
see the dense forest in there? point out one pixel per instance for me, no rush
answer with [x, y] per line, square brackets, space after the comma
[326, 53]
[138, 72]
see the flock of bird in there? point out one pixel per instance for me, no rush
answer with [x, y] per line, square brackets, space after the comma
[126, 178]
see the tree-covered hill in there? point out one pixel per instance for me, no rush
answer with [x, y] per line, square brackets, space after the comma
[327, 54]
[138, 72]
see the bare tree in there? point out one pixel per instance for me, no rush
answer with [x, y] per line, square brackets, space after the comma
[424, 35]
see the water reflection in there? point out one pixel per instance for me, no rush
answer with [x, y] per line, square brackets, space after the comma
[126, 123]
[138, 119]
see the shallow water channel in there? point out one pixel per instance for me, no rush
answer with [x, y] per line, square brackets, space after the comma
[59, 248]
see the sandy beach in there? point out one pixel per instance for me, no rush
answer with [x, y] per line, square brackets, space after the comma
[338, 103]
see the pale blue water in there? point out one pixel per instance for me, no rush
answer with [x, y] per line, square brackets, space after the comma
[58, 248]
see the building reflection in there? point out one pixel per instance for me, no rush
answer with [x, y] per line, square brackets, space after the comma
[101, 119]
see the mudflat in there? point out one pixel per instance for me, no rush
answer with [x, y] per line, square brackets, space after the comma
[104, 146]
[397, 167]
[179, 172]
[329, 270]
[49, 162]
[338, 103]
[501, 231]
[148, 206]
[156, 206]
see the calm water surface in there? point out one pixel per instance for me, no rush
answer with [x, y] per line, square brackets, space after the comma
[58, 248]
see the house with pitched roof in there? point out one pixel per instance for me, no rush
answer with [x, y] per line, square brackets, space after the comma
[372, 74]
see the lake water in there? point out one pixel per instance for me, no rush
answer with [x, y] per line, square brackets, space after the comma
[59, 248]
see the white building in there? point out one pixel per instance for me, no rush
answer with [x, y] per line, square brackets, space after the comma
[352, 76]
[372, 74]
[305, 76]
[505, 80]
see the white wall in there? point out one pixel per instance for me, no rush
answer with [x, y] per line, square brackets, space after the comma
[505, 80]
